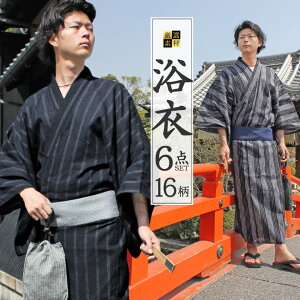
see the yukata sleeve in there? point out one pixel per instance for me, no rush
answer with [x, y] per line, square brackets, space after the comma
[130, 148]
[133, 155]
[215, 110]
[16, 170]
[286, 117]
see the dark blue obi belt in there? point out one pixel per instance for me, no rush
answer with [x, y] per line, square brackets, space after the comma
[242, 133]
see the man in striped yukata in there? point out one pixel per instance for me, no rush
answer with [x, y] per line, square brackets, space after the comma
[246, 105]
[80, 139]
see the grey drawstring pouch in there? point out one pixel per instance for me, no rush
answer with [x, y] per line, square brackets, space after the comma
[45, 274]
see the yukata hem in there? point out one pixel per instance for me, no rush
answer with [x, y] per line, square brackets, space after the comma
[260, 241]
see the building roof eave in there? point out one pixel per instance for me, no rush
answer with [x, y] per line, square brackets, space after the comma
[18, 63]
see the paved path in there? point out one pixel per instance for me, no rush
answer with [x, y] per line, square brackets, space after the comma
[262, 284]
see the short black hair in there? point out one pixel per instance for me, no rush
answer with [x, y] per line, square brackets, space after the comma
[53, 20]
[248, 24]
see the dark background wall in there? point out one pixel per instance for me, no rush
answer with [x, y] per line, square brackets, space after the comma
[10, 45]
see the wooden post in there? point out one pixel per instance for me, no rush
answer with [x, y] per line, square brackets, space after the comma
[298, 161]
[211, 224]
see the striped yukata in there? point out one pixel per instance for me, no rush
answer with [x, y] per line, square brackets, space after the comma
[241, 97]
[97, 144]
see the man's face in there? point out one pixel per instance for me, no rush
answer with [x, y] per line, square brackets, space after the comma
[248, 42]
[76, 38]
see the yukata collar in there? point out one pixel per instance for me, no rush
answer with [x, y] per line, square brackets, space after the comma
[84, 74]
[55, 92]
[243, 65]
[251, 76]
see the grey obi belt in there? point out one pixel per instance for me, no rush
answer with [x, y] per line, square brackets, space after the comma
[84, 210]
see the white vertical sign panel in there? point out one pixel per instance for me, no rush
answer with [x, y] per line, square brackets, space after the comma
[172, 111]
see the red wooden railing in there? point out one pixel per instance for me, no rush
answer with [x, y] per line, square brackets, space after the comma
[214, 249]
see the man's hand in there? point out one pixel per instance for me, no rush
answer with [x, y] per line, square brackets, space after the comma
[224, 153]
[37, 205]
[284, 152]
[149, 240]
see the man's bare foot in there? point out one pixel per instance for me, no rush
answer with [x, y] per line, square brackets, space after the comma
[282, 254]
[253, 250]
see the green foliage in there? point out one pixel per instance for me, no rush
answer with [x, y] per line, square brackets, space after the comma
[110, 77]
[187, 229]
[141, 95]
[292, 151]
[206, 149]
[16, 30]
[229, 219]
[131, 82]
[145, 120]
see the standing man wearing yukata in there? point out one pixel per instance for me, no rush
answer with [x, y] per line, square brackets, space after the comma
[80, 139]
[249, 108]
